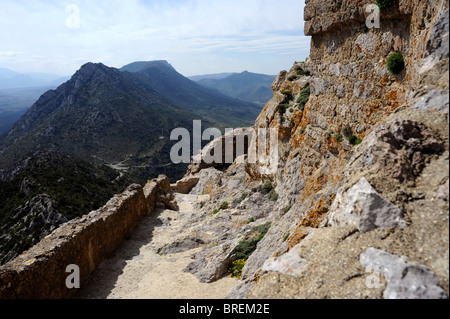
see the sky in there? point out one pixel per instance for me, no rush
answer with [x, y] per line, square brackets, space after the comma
[194, 36]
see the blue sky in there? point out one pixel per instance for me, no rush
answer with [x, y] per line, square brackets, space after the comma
[195, 36]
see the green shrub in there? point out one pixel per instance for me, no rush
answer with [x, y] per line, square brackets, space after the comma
[303, 73]
[251, 220]
[304, 97]
[395, 63]
[262, 230]
[273, 195]
[339, 137]
[292, 78]
[354, 140]
[288, 95]
[246, 247]
[384, 4]
[268, 186]
[283, 108]
[224, 205]
[286, 237]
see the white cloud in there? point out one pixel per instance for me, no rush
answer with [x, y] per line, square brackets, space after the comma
[117, 32]
[8, 53]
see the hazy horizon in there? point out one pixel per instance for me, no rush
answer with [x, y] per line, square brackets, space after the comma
[195, 36]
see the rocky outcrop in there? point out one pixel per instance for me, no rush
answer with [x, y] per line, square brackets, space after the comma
[223, 151]
[362, 164]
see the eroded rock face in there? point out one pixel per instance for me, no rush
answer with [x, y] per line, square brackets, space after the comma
[399, 148]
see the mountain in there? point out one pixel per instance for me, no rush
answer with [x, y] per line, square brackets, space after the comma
[246, 86]
[91, 137]
[10, 79]
[120, 116]
[179, 90]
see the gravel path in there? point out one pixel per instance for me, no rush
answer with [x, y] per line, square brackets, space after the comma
[137, 271]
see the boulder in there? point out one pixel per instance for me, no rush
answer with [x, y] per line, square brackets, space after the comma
[232, 145]
[363, 207]
[289, 264]
[214, 262]
[405, 279]
[185, 185]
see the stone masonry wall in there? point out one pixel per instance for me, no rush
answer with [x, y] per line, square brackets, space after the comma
[40, 273]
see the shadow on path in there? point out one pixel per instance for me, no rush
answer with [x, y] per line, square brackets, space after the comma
[104, 279]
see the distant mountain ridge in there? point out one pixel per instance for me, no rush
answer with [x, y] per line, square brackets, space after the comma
[118, 115]
[246, 86]
[216, 76]
[15, 102]
[12, 80]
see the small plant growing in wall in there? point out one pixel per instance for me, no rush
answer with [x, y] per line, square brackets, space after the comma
[273, 195]
[303, 130]
[243, 197]
[354, 140]
[384, 4]
[304, 97]
[283, 108]
[236, 267]
[395, 63]
[288, 95]
[268, 186]
[214, 212]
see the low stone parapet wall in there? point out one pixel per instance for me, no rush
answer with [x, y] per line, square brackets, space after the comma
[57, 264]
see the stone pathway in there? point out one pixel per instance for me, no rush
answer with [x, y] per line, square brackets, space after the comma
[138, 271]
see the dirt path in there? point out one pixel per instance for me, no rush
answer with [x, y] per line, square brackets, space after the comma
[137, 271]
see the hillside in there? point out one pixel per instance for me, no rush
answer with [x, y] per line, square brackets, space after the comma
[246, 86]
[46, 189]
